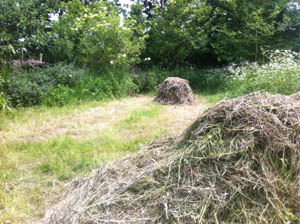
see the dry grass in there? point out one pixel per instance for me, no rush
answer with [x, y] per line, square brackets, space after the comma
[84, 123]
[238, 163]
[42, 148]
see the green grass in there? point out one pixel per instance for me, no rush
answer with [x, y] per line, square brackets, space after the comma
[212, 97]
[32, 169]
[63, 158]
[41, 164]
[137, 115]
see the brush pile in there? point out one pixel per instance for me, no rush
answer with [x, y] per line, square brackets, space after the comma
[238, 163]
[175, 91]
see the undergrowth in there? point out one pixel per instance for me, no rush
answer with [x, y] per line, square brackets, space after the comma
[280, 74]
[66, 84]
[62, 84]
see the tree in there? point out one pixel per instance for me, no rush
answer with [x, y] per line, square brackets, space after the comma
[151, 5]
[219, 31]
[92, 35]
[25, 25]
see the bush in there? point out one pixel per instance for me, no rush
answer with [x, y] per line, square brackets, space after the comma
[205, 79]
[200, 79]
[147, 81]
[63, 84]
[28, 88]
[281, 74]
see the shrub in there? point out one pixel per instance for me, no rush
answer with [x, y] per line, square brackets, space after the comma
[200, 79]
[64, 84]
[61, 74]
[281, 74]
[205, 79]
[147, 81]
[28, 88]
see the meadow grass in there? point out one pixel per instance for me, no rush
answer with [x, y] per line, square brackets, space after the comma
[34, 169]
[42, 148]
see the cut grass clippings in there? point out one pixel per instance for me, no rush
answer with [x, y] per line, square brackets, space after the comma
[237, 163]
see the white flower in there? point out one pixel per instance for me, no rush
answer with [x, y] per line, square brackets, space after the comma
[92, 15]
[111, 62]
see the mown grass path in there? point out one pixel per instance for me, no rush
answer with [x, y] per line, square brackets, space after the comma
[43, 148]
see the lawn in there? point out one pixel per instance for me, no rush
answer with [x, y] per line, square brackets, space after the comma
[43, 148]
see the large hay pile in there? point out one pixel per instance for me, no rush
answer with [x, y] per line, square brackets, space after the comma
[175, 90]
[238, 163]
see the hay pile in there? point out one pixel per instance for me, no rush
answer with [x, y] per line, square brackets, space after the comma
[175, 90]
[238, 163]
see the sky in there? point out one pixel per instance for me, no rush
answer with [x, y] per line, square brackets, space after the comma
[129, 2]
[54, 17]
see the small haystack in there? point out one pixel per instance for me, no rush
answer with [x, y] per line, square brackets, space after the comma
[238, 163]
[175, 90]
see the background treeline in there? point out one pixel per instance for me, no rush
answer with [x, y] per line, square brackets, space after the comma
[100, 49]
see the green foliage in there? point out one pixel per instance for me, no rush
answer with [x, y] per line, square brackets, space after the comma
[217, 32]
[93, 86]
[177, 32]
[203, 80]
[63, 84]
[169, 37]
[3, 102]
[28, 88]
[239, 28]
[147, 81]
[93, 36]
[25, 25]
[281, 74]
[4, 105]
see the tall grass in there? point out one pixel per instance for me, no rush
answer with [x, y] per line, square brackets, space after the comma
[281, 74]
[92, 86]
